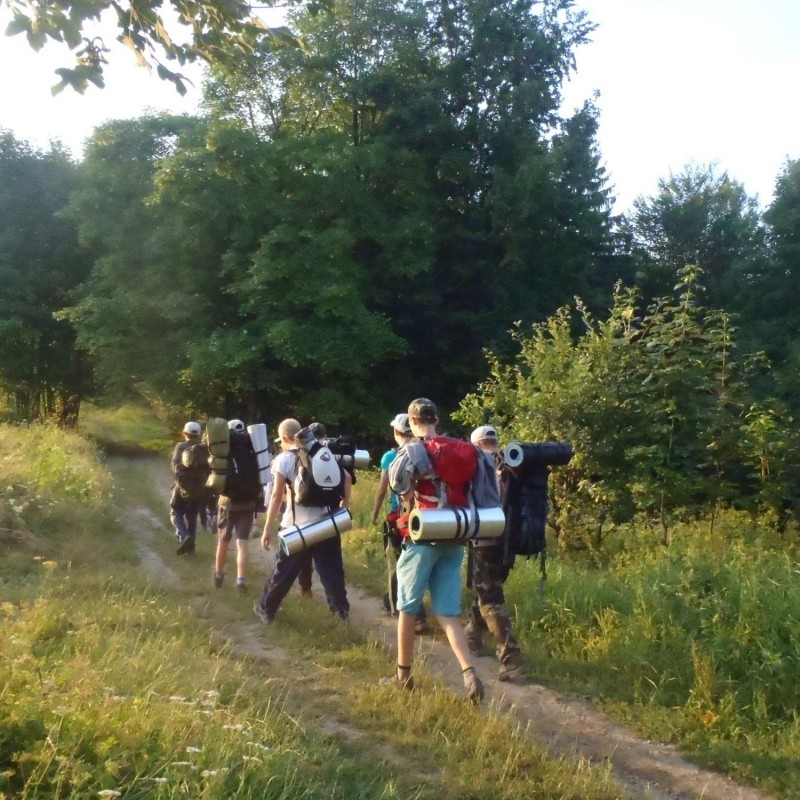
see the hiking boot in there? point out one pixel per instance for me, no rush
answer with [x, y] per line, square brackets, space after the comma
[267, 619]
[219, 577]
[387, 605]
[473, 685]
[474, 638]
[510, 668]
[186, 546]
[241, 585]
[307, 593]
[397, 682]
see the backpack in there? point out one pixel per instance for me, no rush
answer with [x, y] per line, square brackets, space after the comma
[455, 463]
[193, 471]
[525, 508]
[485, 492]
[242, 479]
[320, 478]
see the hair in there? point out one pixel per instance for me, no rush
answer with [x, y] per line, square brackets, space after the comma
[289, 428]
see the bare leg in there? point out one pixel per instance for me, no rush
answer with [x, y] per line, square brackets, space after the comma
[458, 640]
[242, 557]
[405, 638]
[222, 555]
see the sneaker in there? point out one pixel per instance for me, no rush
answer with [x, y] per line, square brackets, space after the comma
[267, 619]
[219, 577]
[511, 668]
[398, 683]
[473, 686]
[241, 585]
[186, 546]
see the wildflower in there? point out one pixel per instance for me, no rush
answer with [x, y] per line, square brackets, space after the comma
[51, 565]
[17, 641]
[208, 773]
[160, 780]
[194, 750]
[38, 558]
[109, 793]
[251, 758]
[176, 698]
[181, 763]
[238, 727]
[710, 718]
[211, 693]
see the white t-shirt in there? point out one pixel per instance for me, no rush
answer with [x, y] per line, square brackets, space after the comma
[288, 465]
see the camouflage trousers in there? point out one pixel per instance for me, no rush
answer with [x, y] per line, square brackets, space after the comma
[488, 611]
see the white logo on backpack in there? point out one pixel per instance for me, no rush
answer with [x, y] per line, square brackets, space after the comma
[325, 469]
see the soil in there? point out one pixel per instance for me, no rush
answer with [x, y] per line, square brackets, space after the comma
[565, 725]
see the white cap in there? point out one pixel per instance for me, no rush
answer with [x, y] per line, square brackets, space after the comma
[192, 428]
[401, 423]
[235, 425]
[484, 432]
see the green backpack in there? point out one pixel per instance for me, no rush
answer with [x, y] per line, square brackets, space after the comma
[193, 471]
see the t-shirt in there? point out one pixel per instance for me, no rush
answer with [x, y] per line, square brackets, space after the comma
[386, 462]
[288, 465]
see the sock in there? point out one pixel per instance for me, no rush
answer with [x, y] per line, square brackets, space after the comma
[403, 673]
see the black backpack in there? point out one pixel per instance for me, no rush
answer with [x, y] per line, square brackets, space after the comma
[320, 481]
[525, 508]
[192, 472]
[242, 481]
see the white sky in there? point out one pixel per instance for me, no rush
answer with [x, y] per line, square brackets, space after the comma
[680, 81]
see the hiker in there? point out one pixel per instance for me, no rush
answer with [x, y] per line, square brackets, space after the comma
[392, 540]
[432, 565]
[489, 572]
[188, 493]
[326, 555]
[236, 507]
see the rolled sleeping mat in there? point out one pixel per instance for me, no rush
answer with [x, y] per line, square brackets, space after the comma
[455, 524]
[258, 436]
[537, 454]
[219, 443]
[359, 460]
[300, 537]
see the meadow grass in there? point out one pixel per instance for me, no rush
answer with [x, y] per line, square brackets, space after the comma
[127, 430]
[114, 688]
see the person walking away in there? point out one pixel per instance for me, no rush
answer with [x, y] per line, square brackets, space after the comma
[488, 611]
[392, 540]
[236, 508]
[188, 491]
[432, 565]
[326, 555]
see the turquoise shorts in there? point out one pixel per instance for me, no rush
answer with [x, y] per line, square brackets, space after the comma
[435, 567]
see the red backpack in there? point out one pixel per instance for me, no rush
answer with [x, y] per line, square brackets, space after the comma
[455, 463]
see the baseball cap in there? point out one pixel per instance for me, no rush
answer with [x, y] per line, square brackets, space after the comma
[317, 429]
[236, 425]
[401, 423]
[484, 432]
[424, 410]
[192, 428]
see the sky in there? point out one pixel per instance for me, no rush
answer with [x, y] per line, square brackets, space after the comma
[679, 82]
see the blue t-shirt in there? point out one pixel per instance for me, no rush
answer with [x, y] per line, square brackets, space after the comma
[386, 462]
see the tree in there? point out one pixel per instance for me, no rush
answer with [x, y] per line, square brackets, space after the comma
[703, 218]
[41, 367]
[205, 30]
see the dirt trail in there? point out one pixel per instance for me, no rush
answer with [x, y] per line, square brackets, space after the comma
[567, 726]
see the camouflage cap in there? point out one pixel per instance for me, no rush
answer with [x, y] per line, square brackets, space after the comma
[424, 410]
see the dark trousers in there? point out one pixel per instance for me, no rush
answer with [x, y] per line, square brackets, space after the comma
[183, 515]
[306, 570]
[327, 559]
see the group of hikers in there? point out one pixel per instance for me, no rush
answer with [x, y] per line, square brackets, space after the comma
[309, 481]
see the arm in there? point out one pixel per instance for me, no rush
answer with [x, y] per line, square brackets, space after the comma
[278, 488]
[176, 458]
[348, 485]
[380, 495]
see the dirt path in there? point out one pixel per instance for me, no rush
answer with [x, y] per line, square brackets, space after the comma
[567, 726]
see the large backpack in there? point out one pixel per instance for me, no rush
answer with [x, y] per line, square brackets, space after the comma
[455, 463]
[192, 472]
[525, 508]
[320, 479]
[242, 479]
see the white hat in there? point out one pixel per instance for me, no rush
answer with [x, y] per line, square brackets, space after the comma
[192, 428]
[235, 425]
[484, 432]
[401, 423]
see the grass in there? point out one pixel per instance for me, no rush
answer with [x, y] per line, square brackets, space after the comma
[128, 430]
[113, 687]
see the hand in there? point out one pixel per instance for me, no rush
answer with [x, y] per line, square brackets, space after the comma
[265, 539]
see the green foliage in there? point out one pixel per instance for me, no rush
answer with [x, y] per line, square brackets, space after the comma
[207, 30]
[655, 407]
[41, 369]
